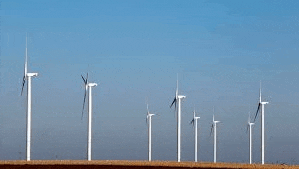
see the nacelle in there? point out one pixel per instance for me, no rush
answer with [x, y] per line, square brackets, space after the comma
[92, 84]
[181, 96]
[32, 74]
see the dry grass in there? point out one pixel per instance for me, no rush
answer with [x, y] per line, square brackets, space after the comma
[131, 164]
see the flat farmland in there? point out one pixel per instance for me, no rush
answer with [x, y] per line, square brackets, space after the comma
[122, 164]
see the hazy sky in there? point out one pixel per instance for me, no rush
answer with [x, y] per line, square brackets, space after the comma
[134, 50]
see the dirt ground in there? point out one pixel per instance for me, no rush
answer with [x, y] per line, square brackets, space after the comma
[115, 164]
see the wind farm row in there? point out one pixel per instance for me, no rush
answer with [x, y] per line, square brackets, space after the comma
[176, 103]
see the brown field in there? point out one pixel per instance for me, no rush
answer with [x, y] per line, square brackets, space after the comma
[120, 164]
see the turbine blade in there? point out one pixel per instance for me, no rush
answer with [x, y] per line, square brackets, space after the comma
[87, 78]
[83, 104]
[26, 59]
[260, 91]
[174, 101]
[211, 130]
[84, 80]
[248, 117]
[258, 108]
[147, 113]
[247, 128]
[23, 84]
[25, 68]
[192, 122]
[177, 85]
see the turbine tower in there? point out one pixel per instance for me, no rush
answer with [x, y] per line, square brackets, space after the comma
[262, 125]
[194, 121]
[178, 99]
[149, 121]
[249, 125]
[215, 137]
[27, 76]
[88, 86]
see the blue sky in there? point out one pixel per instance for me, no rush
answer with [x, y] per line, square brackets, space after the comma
[221, 50]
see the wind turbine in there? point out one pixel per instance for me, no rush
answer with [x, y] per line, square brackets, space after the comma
[27, 76]
[88, 86]
[249, 125]
[194, 120]
[262, 124]
[178, 99]
[149, 121]
[215, 136]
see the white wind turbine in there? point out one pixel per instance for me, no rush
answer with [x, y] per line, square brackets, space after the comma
[27, 76]
[149, 121]
[214, 126]
[88, 86]
[194, 121]
[262, 125]
[249, 126]
[178, 98]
